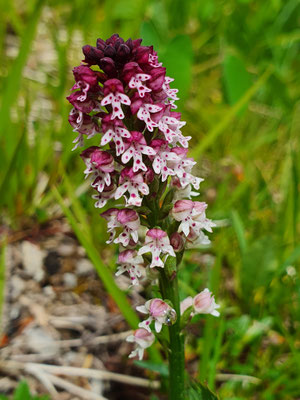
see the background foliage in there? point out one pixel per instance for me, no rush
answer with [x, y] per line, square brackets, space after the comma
[235, 63]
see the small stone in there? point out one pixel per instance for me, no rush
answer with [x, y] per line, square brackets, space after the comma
[39, 341]
[84, 267]
[66, 249]
[49, 292]
[70, 280]
[17, 286]
[32, 260]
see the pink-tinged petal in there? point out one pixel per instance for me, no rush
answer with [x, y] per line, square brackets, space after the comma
[123, 99]
[158, 326]
[204, 303]
[144, 249]
[107, 100]
[158, 308]
[185, 227]
[121, 191]
[126, 256]
[157, 165]
[143, 188]
[142, 309]
[185, 304]
[127, 155]
[106, 138]
[182, 209]
[156, 233]
[146, 150]
[169, 249]
[123, 132]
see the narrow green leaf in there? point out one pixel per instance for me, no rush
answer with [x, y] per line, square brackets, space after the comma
[238, 226]
[22, 392]
[197, 391]
[13, 81]
[178, 59]
[161, 369]
[222, 125]
[235, 77]
[150, 35]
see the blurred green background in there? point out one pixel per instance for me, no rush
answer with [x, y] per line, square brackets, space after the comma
[236, 64]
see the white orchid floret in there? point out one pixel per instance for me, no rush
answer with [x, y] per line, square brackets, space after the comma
[144, 115]
[136, 82]
[203, 303]
[157, 242]
[126, 219]
[134, 184]
[136, 147]
[131, 263]
[159, 311]
[143, 339]
[114, 96]
[192, 216]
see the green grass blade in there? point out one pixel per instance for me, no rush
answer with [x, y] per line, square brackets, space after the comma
[219, 128]
[238, 226]
[13, 81]
[217, 354]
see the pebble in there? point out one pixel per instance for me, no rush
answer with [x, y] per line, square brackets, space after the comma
[17, 286]
[84, 267]
[39, 341]
[32, 260]
[70, 280]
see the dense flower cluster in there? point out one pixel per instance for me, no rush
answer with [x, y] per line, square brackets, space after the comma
[122, 93]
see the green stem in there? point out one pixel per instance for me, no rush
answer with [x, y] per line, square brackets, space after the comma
[176, 349]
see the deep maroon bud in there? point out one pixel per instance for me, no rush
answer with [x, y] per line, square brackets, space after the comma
[109, 51]
[123, 52]
[108, 66]
[129, 43]
[92, 54]
[136, 43]
[101, 44]
[177, 241]
[112, 40]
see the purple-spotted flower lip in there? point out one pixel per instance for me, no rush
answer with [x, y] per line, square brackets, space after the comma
[156, 233]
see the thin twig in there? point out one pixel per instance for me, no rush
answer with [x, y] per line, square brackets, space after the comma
[75, 389]
[114, 337]
[237, 377]
[43, 378]
[98, 374]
